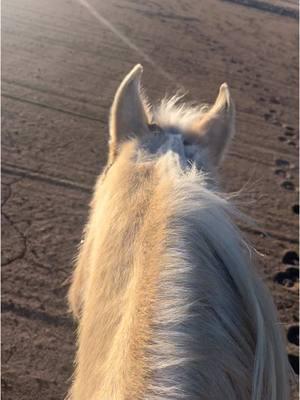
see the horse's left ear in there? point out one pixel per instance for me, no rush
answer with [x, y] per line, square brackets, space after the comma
[216, 128]
[128, 117]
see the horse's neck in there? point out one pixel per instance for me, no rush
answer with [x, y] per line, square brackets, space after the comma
[120, 293]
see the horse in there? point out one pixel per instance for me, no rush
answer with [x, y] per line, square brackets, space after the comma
[168, 302]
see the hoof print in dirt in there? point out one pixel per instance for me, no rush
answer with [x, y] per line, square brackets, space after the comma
[294, 361]
[293, 334]
[288, 185]
[288, 130]
[282, 163]
[274, 100]
[295, 208]
[282, 138]
[291, 143]
[291, 258]
[282, 173]
[287, 278]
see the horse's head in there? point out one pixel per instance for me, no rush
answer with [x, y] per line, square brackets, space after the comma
[199, 135]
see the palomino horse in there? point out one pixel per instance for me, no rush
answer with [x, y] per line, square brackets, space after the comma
[168, 304]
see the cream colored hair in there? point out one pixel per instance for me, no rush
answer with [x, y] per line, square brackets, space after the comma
[167, 301]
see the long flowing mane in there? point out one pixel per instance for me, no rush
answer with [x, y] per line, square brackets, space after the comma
[214, 320]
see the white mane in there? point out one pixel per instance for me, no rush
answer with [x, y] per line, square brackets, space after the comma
[172, 112]
[215, 325]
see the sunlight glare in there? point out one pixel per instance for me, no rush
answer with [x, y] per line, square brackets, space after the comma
[125, 39]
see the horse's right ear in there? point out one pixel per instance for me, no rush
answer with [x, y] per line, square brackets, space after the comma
[128, 116]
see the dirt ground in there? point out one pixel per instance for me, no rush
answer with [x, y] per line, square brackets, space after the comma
[62, 62]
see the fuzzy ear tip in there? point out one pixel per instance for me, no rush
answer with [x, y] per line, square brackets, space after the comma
[137, 70]
[224, 87]
[134, 75]
[139, 67]
[224, 93]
